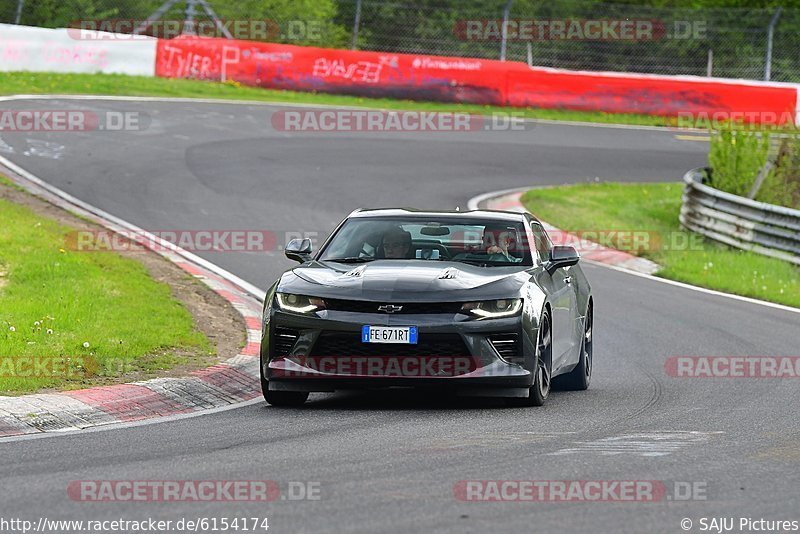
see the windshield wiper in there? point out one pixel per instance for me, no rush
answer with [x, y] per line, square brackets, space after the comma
[351, 259]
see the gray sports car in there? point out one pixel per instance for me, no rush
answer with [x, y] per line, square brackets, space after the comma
[474, 303]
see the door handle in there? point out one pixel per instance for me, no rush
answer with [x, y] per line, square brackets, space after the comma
[568, 280]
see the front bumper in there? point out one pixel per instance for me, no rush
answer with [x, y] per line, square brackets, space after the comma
[453, 354]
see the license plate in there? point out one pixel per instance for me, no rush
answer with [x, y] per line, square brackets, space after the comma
[389, 334]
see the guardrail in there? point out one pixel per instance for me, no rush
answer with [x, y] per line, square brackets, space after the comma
[740, 222]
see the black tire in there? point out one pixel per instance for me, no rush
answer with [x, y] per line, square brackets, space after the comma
[540, 389]
[285, 398]
[579, 378]
[264, 383]
[281, 398]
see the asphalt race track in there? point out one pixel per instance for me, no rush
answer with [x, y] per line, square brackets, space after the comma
[389, 462]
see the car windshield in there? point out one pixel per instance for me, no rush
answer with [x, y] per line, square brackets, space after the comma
[489, 242]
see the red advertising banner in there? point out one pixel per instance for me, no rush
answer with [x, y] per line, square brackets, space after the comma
[650, 95]
[477, 81]
[334, 71]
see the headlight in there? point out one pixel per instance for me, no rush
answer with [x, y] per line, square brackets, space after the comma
[493, 309]
[299, 303]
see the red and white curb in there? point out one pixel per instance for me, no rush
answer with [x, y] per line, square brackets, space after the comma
[589, 250]
[232, 381]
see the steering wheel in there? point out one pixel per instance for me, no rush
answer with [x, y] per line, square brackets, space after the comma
[444, 254]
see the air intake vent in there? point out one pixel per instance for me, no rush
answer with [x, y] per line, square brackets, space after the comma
[358, 271]
[507, 346]
[449, 274]
[283, 341]
[339, 344]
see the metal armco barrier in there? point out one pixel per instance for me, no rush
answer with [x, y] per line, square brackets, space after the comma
[740, 222]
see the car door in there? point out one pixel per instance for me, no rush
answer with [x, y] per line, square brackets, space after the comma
[563, 300]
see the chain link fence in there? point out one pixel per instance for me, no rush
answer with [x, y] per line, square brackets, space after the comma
[730, 42]
[571, 34]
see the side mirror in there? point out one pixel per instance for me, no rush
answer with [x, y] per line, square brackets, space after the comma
[562, 256]
[298, 250]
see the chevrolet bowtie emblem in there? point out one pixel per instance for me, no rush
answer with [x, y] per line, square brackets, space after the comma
[389, 308]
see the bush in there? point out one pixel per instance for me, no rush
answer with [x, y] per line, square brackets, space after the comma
[782, 185]
[736, 157]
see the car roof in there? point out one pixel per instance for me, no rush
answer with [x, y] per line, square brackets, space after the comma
[411, 212]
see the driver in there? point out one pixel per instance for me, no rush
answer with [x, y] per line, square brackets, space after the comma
[497, 245]
[396, 243]
[497, 241]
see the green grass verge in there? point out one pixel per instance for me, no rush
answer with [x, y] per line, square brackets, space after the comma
[684, 256]
[13, 83]
[53, 302]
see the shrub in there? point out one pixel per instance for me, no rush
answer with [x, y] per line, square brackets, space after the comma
[782, 185]
[736, 157]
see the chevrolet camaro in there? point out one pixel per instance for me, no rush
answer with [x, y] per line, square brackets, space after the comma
[476, 303]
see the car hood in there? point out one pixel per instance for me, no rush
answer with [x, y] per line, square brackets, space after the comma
[404, 281]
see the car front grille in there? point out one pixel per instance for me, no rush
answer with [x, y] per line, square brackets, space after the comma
[507, 346]
[361, 306]
[337, 344]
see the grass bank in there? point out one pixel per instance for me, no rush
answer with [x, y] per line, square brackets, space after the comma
[13, 83]
[653, 209]
[70, 319]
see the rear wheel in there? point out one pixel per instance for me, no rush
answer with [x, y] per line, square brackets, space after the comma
[579, 378]
[540, 389]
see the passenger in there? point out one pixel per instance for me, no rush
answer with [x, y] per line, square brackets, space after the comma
[396, 244]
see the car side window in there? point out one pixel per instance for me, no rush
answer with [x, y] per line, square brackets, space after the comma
[541, 241]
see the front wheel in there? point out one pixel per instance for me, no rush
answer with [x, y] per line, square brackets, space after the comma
[285, 398]
[281, 398]
[540, 389]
